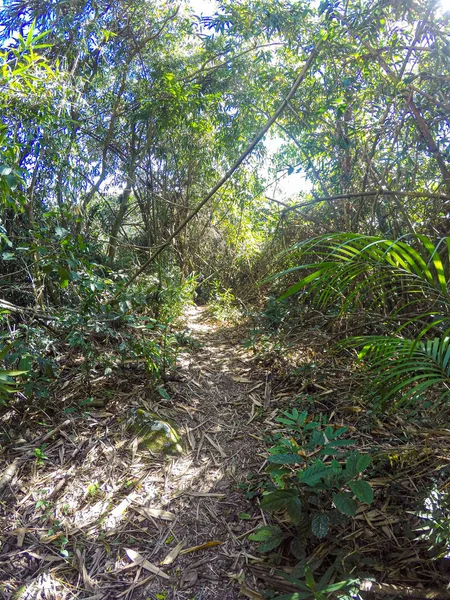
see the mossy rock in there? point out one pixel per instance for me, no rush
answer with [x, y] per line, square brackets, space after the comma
[154, 433]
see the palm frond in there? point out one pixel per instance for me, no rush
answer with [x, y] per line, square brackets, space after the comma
[404, 367]
[405, 282]
[351, 271]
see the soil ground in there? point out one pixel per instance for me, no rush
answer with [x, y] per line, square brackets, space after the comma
[79, 521]
[86, 512]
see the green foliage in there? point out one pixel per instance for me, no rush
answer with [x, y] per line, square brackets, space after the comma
[311, 467]
[8, 384]
[109, 142]
[392, 283]
[270, 537]
[39, 454]
[404, 370]
[176, 293]
[222, 303]
[24, 74]
[8, 378]
[275, 313]
[322, 589]
[28, 357]
[129, 338]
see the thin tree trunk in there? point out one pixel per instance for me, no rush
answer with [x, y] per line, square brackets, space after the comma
[234, 167]
[123, 199]
[425, 132]
[117, 224]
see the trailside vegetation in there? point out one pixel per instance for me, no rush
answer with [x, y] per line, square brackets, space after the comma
[287, 165]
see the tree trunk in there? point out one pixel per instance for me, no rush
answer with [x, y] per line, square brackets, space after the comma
[123, 205]
[425, 132]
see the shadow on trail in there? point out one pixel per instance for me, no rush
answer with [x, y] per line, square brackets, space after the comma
[86, 504]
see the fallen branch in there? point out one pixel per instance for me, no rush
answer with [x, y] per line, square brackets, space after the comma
[368, 194]
[23, 309]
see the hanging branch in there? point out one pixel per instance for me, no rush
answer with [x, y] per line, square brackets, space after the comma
[230, 171]
[368, 194]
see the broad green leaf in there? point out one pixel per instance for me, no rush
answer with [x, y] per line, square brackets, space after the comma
[286, 421]
[320, 524]
[345, 503]
[285, 459]
[163, 393]
[60, 232]
[340, 443]
[313, 474]
[351, 466]
[271, 537]
[294, 510]
[363, 462]
[64, 276]
[362, 490]
[298, 548]
[280, 500]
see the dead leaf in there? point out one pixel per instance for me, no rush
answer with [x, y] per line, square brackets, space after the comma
[191, 438]
[156, 513]
[255, 387]
[45, 539]
[88, 584]
[249, 593]
[173, 554]
[47, 557]
[216, 446]
[188, 579]
[203, 494]
[201, 547]
[121, 508]
[101, 414]
[144, 563]
[21, 536]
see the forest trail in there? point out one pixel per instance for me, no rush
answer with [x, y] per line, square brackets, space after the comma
[80, 519]
[216, 403]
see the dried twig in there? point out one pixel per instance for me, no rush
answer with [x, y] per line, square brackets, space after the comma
[11, 470]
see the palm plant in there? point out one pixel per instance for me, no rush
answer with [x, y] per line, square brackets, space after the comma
[397, 286]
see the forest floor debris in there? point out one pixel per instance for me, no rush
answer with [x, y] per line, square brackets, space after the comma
[86, 512]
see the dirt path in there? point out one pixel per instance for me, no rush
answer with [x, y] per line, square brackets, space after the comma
[202, 485]
[77, 523]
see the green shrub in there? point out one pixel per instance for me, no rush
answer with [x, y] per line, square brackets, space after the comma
[223, 303]
[315, 479]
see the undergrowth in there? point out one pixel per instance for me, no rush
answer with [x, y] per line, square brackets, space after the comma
[322, 477]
